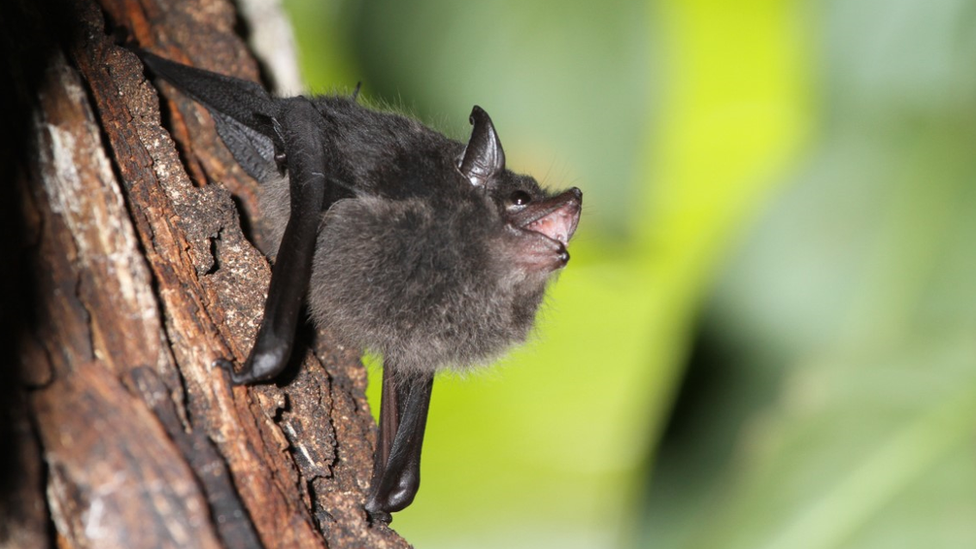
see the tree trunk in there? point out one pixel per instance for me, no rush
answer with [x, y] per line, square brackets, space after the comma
[130, 276]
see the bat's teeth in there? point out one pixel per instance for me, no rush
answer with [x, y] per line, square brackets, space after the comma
[556, 225]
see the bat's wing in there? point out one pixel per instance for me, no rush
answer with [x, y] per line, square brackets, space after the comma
[244, 112]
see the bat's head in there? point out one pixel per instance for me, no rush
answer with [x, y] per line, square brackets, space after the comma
[539, 224]
[452, 277]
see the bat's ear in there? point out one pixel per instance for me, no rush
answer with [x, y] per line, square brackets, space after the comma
[483, 157]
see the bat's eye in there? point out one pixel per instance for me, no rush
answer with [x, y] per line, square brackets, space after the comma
[519, 198]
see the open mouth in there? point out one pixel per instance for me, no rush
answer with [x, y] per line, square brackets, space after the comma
[555, 218]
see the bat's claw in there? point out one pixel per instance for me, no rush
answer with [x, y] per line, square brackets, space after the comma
[378, 516]
[223, 364]
[228, 366]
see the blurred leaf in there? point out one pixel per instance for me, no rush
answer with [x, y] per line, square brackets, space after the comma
[852, 455]
[856, 292]
[321, 32]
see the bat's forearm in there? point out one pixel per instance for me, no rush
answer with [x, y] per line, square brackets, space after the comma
[396, 474]
[293, 266]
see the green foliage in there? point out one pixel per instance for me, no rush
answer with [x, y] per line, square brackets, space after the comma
[777, 193]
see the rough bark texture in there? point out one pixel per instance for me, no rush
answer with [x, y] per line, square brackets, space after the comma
[130, 275]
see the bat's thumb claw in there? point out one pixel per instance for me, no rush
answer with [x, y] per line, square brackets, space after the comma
[227, 366]
[244, 377]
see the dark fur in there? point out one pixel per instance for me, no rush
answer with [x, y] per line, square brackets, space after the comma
[418, 269]
[414, 265]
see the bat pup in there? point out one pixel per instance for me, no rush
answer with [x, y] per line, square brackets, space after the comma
[400, 240]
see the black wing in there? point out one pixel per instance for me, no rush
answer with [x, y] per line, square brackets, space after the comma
[245, 114]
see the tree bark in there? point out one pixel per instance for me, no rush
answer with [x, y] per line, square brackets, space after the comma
[130, 276]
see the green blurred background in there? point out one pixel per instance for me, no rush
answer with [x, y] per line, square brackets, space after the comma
[767, 334]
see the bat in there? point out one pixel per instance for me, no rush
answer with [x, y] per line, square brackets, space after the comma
[398, 239]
